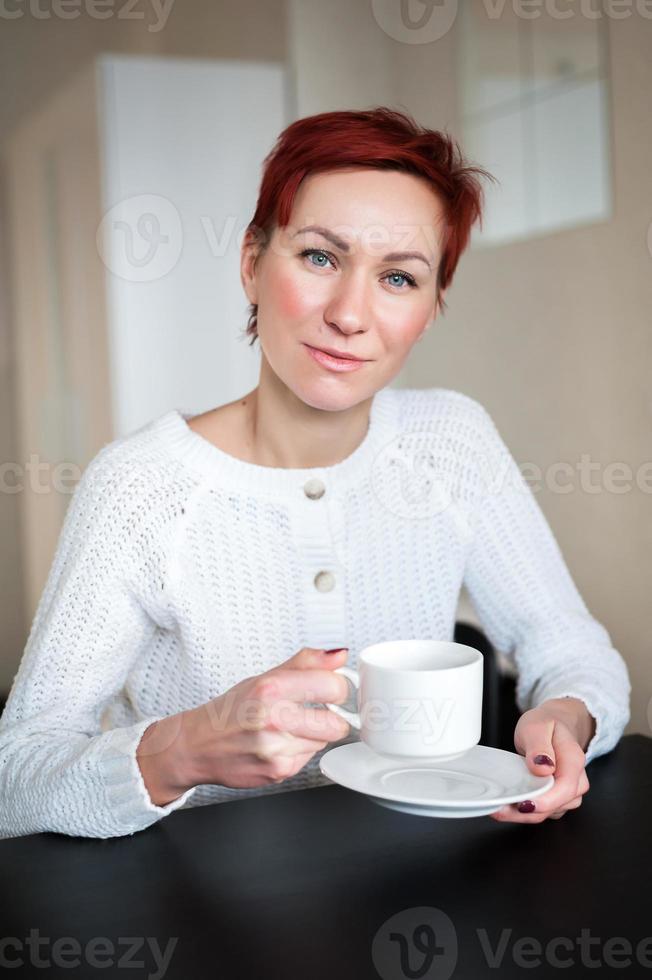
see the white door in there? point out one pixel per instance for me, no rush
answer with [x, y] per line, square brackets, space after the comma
[184, 143]
[130, 188]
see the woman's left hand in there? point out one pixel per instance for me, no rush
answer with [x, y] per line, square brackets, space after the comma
[559, 730]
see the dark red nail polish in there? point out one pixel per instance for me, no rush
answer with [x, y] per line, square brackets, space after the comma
[526, 806]
[336, 650]
[543, 760]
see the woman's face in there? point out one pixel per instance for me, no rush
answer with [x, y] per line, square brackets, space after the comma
[339, 289]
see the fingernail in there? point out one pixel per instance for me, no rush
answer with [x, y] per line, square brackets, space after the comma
[543, 760]
[336, 650]
[526, 806]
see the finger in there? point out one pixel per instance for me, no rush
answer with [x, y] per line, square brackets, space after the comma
[571, 805]
[570, 760]
[301, 746]
[539, 813]
[533, 739]
[309, 684]
[316, 723]
[309, 657]
[281, 744]
[510, 814]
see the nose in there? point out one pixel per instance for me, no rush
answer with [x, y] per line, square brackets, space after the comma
[347, 309]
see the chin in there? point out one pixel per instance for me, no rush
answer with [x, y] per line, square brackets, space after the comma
[326, 401]
[328, 392]
[333, 398]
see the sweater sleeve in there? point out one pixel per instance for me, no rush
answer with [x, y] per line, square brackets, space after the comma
[58, 770]
[528, 603]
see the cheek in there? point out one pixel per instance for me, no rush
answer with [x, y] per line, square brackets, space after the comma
[293, 300]
[406, 328]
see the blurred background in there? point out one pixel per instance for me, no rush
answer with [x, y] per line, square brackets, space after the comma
[132, 136]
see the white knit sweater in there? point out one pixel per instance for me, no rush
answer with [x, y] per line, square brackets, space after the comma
[181, 570]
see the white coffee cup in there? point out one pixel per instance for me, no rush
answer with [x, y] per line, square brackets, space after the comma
[417, 698]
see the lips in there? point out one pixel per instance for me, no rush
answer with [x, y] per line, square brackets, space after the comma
[332, 363]
[336, 353]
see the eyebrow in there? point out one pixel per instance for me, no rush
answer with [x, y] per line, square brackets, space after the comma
[344, 246]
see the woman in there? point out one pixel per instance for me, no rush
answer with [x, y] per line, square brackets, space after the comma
[212, 572]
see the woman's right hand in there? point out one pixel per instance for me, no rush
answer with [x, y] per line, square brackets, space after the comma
[256, 733]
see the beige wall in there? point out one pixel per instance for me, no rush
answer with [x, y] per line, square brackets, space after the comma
[12, 611]
[37, 57]
[552, 335]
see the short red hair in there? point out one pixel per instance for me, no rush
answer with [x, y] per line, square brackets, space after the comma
[379, 138]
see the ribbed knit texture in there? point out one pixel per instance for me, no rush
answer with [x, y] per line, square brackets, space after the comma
[180, 570]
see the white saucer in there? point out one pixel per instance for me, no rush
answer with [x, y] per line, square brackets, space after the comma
[474, 784]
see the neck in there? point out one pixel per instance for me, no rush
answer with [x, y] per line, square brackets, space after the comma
[283, 431]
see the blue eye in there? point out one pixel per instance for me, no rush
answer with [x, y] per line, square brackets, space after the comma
[319, 253]
[401, 275]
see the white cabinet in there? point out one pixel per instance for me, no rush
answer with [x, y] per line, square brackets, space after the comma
[534, 106]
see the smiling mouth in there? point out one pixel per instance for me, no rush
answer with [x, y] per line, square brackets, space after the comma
[331, 363]
[338, 357]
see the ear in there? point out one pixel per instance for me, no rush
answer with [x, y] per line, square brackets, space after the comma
[435, 311]
[249, 254]
[436, 307]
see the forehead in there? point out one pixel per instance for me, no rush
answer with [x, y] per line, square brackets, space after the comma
[353, 202]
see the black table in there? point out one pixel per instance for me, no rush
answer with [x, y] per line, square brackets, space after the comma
[325, 884]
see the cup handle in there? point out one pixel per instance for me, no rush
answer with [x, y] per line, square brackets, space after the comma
[352, 717]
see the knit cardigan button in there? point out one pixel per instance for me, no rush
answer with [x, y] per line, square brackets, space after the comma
[314, 489]
[324, 581]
